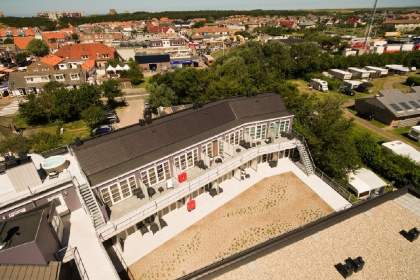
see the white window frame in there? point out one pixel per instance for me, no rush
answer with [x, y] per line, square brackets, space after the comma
[234, 137]
[183, 163]
[156, 174]
[45, 79]
[207, 149]
[59, 77]
[257, 132]
[29, 80]
[111, 200]
[75, 76]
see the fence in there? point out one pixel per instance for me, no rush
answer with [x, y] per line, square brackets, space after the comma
[55, 152]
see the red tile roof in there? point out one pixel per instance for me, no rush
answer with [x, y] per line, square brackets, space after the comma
[95, 51]
[51, 59]
[54, 35]
[89, 64]
[22, 42]
[28, 32]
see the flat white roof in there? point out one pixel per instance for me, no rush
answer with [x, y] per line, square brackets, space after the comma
[340, 71]
[403, 149]
[357, 69]
[365, 180]
[416, 128]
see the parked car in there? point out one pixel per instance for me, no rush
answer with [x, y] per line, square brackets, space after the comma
[368, 116]
[101, 130]
[346, 90]
[111, 118]
[364, 87]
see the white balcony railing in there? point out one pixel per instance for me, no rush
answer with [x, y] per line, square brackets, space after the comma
[187, 188]
[14, 196]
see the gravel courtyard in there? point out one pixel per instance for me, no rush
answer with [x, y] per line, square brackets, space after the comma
[271, 207]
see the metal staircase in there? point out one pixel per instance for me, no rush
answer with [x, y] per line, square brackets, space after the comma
[92, 205]
[305, 158]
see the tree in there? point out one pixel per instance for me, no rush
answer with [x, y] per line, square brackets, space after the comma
[161, 95]
[14, 145]
[199, 24]
[32, 111]
[93, 115]
[44, 141]
[21, 58]
[8, 41]
[134, 73]
[63, 105]
[110, 89]
[38, 47]
[75, 37]
[86, 96]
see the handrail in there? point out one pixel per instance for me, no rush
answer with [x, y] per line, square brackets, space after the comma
[14, 196]
[137, 215]
[79, 264]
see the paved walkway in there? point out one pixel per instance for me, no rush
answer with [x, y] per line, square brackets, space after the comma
[93, 255]
[10, 109]
[381, 131]
[409, 202]
[136, 245]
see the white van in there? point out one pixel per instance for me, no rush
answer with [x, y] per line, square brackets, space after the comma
[415, 133]
[319, 84]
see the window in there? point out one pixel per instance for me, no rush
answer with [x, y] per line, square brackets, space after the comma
[30, 80]
[414, 104]
[59, 77]
[74, 76]
[85, 57]
[105, 55]
[207, 149]
[405, 105]
[234, 137]
[106, 196]
[187, 160]
[35, 70]
[155, 174]
[256, 132]
[284, 126]
[45, 79]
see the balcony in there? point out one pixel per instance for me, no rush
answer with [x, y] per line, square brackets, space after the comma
[133, 210]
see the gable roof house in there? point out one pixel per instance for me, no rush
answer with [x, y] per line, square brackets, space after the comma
[22, 42]
[100, 53]
[402, 24]
[39, 73]
[393, 107]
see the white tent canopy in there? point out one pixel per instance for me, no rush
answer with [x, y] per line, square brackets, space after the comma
[126, 67]
[110, 68]
[118, 68]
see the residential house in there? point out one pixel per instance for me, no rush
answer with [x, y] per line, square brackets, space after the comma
[55, 39]
[402, 25]
[308, 24]
[22, 42]
[39, 73]
[79, 53]
[12, 32]
[105, 38]
[392, 107]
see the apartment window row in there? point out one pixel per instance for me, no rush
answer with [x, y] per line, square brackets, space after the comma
[256, 132]
[118, 191]
[207, 149]
[234, 137]
[187, 160]
[279, 127]
[156, 174]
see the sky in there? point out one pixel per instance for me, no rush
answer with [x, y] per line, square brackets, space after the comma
[29, 8]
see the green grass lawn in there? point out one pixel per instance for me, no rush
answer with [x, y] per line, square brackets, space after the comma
[73, 130]
[360, 130]
[144, 84]
[402, 132]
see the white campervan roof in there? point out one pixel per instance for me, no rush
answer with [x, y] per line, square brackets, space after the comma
[403, 149]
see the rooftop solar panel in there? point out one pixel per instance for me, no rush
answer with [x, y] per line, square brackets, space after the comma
[414, 104]
[405, 105]
[396, 107]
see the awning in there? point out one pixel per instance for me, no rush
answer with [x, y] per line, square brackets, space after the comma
[118, 68]
[110, 68]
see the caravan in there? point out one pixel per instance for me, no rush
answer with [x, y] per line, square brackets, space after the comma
[319, 84]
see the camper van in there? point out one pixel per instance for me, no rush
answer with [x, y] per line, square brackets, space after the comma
[319, 84]
[415, 133]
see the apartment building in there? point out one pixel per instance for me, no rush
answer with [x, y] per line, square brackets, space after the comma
[157, 166]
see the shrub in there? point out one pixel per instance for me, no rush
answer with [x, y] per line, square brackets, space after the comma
[413, 81]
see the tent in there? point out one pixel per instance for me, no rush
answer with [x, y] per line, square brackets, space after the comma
[126, 67]
[110, 68]
[118, 68]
